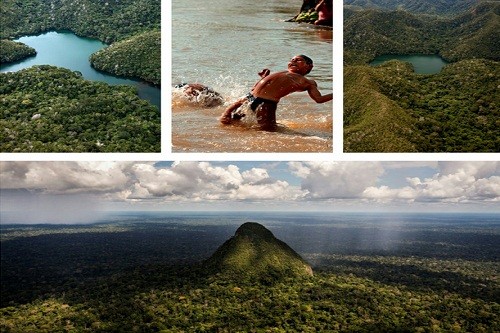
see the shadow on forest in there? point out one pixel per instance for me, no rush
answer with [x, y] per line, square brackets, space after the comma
[414, 278]
[165, 256]
[43, 266]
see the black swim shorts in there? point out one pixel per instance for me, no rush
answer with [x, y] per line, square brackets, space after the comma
[256, 101]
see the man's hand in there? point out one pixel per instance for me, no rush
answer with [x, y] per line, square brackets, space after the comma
[263, 73]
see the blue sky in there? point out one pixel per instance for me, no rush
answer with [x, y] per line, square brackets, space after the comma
[55, 192]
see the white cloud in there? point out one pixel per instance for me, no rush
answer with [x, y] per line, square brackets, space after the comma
[203, 181]
[474, 168]
[65, 177]
[145, 181]
[325, 180]
[455, 182]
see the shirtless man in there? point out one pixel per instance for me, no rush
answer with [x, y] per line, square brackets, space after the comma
[267, 92]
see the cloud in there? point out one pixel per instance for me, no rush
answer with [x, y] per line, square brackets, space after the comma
[203, 181]
[146, 181]
[455, 182]
[330, 180]
[65, 177]
[476, 168]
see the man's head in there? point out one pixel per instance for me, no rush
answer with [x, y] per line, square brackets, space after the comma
[300, 64]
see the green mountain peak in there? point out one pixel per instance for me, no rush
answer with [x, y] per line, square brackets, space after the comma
[255, 252]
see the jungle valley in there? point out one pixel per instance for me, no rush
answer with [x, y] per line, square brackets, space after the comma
[390, 108]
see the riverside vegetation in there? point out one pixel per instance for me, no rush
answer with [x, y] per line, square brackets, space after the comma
[14, 51]
[138, 56]
[456, 110]
[133, 25]
[154, 276]
[73, 114]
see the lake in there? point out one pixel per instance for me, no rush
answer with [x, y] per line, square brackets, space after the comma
[65, 49]
[422, 64]
[224, 44]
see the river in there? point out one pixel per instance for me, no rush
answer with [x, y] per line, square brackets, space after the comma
[65, 49]
[223, 44]
[422, 64]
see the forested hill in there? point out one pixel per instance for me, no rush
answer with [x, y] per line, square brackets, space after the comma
[389, 108]
[471, 34]
[255, 252]
[416, 6]
[138, 56]
[107, 20]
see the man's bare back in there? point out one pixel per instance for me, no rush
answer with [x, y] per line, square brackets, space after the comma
[277, 85]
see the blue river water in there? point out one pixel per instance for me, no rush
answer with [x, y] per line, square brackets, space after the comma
[65, 49]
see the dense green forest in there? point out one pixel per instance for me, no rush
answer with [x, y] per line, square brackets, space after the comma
[390, 108]
[14, 51]
[47, 109]
[416, 6]
[471, 34]
[108, 21]
[455, 110]
[149, 276]
[138, 56]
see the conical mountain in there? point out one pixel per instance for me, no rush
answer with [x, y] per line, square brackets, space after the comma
[254, 251]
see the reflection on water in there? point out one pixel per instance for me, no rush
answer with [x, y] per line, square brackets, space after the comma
[422, 64]
[224, 44]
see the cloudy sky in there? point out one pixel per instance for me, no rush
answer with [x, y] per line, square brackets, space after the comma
[35, 192]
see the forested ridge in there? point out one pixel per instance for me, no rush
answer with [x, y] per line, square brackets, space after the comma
[471, 34]
[455, 110]
[415, 6]
[390, 108]
[138, 56]
[47, 109]
[147, 277]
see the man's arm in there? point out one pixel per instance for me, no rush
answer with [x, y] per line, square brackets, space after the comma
[316, 94]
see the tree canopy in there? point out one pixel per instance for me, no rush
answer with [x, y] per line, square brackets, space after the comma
[51, 109]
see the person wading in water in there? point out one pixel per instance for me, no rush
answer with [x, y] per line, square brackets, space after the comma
[268, 91]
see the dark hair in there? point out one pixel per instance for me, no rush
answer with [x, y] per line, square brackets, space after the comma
[308, 60]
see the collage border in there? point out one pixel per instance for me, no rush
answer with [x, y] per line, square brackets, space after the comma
[166, 153]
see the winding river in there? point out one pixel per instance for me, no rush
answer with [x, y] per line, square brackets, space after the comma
[65, 49]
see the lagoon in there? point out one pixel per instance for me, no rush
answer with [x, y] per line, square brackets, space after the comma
[65, 49]
[422, 64]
